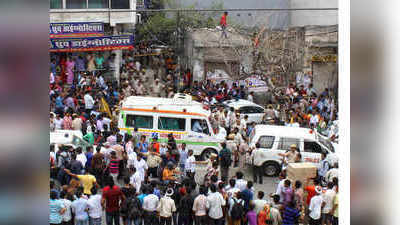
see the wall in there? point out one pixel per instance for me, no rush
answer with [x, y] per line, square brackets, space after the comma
[304, 18]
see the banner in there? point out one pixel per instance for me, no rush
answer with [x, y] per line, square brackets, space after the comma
[89, 29]
[106, 43]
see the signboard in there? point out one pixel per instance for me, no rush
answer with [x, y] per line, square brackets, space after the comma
[105, 43]
[63, 30]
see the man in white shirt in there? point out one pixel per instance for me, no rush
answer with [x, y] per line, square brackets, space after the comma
[135, 180]
[314, 119]
[240, 182]
[328, 198]
[280, 187]
[81, 157]
[67, 216]
[214, 204]
[316, 205]
[89, 102]
[79, 207]
[260, 202]
[141, 166]
[231, 189]
[95, 208]
[220, 133]
[166, 207]
[150, 204]
[190, 164]
[200, 207]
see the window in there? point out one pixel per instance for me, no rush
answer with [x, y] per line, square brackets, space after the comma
[167, 123]
[266, 141]
[98, 4]
[120, 4]
[285, 143]
[312, 146]
[56, 4]
[139, 121]
[250, 109]
[76, 4]
[200, 126]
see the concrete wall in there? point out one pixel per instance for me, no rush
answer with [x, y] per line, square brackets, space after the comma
[304, 18]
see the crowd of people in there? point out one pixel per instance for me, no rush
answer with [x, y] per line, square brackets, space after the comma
[137, 179]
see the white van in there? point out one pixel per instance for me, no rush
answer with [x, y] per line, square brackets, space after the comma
[187, 120]
[72, 138]
[277, 139]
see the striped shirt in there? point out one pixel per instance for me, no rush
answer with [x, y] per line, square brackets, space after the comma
[114, 166]
[290, 215]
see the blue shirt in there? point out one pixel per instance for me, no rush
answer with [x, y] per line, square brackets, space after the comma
[78, 207]
[89, 157]
[55, 206]
[247, 195]
[141, 197]
[289, 216]
[142, 147]
[59, 102]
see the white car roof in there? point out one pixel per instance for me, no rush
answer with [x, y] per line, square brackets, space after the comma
[236, 104]
[64, 136]
[283, 131]
[170, 104]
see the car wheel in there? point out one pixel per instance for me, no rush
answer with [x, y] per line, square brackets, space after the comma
[271, 169]
[207, 153]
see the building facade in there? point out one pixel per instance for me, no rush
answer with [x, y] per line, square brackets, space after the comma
[116, 15]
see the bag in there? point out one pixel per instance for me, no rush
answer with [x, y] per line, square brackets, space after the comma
[226, 160]
[135, 210]
[237, 211]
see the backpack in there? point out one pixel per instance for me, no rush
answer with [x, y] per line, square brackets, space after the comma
[237, 211]
[225, 158]
[134, 210]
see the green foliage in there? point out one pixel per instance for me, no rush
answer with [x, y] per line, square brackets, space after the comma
[161, 26]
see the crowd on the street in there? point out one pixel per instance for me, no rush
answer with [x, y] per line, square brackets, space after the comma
[139, 180]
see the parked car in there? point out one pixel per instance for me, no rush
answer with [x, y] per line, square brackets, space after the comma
[277, 139]
[244, 107]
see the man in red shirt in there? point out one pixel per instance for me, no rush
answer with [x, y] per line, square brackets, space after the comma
[223, 24]
[111, 200]
[310, 193]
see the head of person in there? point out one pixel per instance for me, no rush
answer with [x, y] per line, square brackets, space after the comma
[260, 195]
[113, 154]
[183, 146]
[139, 157]
[239, 175]
[293, 147]
[143, 138]
[316, 182]
[287, 183]
[53, 195]
[276, 198]
[225, 13]
[170, 165]
[249, 184]
[126, 180]
[213, 188]
[190, 152]
[215, 165]
[223, 144]
[323, 155]
[214, 179]
[331, 185]
[297, 184]
[232, 182]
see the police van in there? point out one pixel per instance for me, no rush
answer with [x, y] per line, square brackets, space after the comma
[187, 120]
[278, 139]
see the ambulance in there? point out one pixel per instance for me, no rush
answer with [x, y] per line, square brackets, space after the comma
[186, 119]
